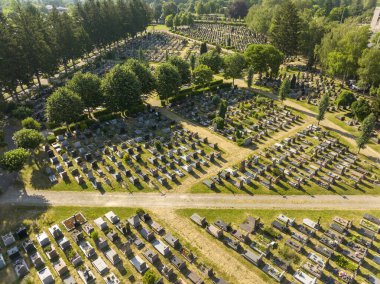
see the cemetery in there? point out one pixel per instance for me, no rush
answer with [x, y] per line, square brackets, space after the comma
[313, 161]
[249, 117]
[146, 152]
[284, 253]
[236, 37]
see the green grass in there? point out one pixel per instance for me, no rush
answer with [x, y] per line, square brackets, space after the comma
[157, 28]
[310, 107]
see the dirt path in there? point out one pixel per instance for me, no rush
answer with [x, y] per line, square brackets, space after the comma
[213, 251]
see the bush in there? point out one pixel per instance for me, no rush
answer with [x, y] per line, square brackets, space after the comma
[240, 141]
[31, 123]
[94, 235]
[59, 130]
[150, 277]
[108, 117]
[22, 112]
[219, 122]
[99, 113]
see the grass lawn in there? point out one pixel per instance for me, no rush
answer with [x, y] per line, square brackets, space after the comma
[311, 107]
[157, 28]
[236, 217]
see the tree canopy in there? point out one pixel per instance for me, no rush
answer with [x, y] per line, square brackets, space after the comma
[27, 138]
[345, 99]
[202, 75]
[234, 65]
[143, 73]
[168, 80]
[367, 128]
[361, 109]
[264, 58]
[211, 59]
[322, 107]
[14, 160]
[183, 68]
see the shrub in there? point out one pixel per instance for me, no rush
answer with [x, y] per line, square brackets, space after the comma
[150, 277]
[22, 112]
[94, 235]
[59, 130]
[219, 122]
[290, 254]
[240, 141]
[158, 145]
[31, 123]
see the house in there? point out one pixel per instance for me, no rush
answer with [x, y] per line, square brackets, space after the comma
[147, 234]
[60, 267]
[201, 221]
[161, 247]
[214, 231]
[151, 256]
[100, 266]
[112, 217]
[250, 225]
[253, 257]
[112, 256]
[56, 232]
[87, 249]
[178, 262]
[172, 241]
[134, 221]
[8, 239]
[139, 264]
[101, 224]
[43, 239]
[45, 276]
[2, 261]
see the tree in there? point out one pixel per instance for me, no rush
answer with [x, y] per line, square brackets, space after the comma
[368, 126]
[87, 87]
[211, 59]
[157, 12]
[361, 109]
[259, 18]
[234, 65]
[193, 60]
[376, 103]
[222, 108]
[284, 89]
[339, 64]
[322, 108]
[285, 28]
[200, 8]
[202, 75]
[345, 99]
[169, 8]
[250, 74]
[238, 9]
[14, 160]
[122, 90]
[264, 58]
[369, 66]
[219, 122]
[63, 106]
[203, 48]
[169, 21]
[183, 68]
[143, 73]
[27, 138]
[30, 123]
[168, 81]
[150, 277]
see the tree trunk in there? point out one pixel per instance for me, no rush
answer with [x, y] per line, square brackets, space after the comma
[38, 79]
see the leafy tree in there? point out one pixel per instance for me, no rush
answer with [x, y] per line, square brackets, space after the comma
[322, 108]
[183, 68]
[250, 74]
[202, 75]
[369, 62]
[122, 90]
[150, 277]
[284, 89]
[87, 87]
[345, 99]
[63, 106]
[169, 21]
[264, 58]
[285, 28]
[234, 65]
[361, 109]
[203, 48]
[211, 59]
[169, 8]
[219, 122]
[157, 12]
[27, 138]
[339, 64]
[30, 123]
[259, 18]
[237, 9]
[14, 160]
[376, 103]
[22, 112]
[200, 8]
[368, 126]
[168, 81]
[143, 73]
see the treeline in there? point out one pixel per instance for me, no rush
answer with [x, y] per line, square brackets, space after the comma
[33, 43]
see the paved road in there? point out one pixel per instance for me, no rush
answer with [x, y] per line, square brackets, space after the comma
[176, 200]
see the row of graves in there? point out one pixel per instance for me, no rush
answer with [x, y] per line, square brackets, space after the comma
[310, 159]
[154, 46]
[330, 254]
[249, 117]
[101, 251]
[147, 151]
[238, 37]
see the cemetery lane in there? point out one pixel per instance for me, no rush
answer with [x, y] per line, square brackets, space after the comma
[177, 200]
